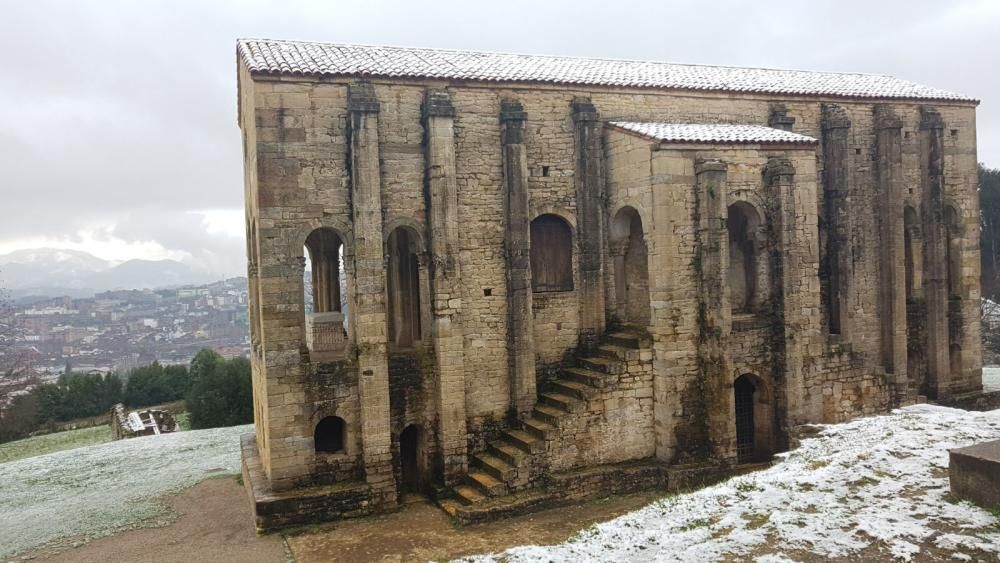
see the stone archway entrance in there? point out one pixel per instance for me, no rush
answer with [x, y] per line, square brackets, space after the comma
[754, 420]
[631, 268]
[411, 480]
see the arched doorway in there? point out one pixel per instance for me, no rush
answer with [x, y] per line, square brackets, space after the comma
[409, 459]
[403, 287]
[551, 254]
[754, 420]
[631, 267]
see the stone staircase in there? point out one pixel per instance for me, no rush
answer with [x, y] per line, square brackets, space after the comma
[515, 461]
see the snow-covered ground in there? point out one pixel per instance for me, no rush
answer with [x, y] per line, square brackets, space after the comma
[99, 490]
[873, 488]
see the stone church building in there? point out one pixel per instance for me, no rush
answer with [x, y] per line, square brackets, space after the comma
[508, 281]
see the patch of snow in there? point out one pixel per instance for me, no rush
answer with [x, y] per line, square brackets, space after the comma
[99, 490]
[880, 481]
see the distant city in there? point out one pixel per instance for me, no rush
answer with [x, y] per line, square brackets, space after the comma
[124, 329]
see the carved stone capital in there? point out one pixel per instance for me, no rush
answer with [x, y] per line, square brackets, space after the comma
[618, 247]
[886, 118]
[512, 118]
[779, 118]
[437, 103]
[584, 110]
[361, 98]
[778, 170]
[835, 117]
[930, 118]
[709, 165]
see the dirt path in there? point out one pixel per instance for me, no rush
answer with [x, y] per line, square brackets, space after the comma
[214, 523]
[422, 532]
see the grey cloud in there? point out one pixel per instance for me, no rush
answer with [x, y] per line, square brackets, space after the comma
[125, 112]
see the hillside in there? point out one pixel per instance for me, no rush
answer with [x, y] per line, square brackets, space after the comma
[103, 489]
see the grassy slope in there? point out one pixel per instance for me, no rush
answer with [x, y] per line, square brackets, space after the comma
[59, 441]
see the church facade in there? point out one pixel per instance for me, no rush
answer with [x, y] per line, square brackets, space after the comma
[506, 281]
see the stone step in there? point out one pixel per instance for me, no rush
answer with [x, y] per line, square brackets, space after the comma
[614, 351]
[610, 366]
[538, 427]
[450, 506]
[548, 414]
[560, 401]
[624, 339]
[468, 495]
[487, 484]
[588, 377]
[495, 466]
[572, 388]
[507, 452]
[524, 441]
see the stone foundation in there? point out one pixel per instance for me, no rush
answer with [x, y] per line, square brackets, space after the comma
[307, 505]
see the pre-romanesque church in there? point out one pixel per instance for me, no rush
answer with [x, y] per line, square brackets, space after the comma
[508, 281]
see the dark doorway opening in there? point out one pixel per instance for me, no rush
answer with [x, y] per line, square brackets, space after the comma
[409, 443]
[745, 390]
[329, 435]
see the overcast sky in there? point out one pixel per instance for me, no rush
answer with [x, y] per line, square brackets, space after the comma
[118, 129]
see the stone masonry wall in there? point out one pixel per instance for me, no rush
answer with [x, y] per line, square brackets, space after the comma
[298, 180]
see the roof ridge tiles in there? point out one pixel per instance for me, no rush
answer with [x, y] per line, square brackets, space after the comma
[304, 58]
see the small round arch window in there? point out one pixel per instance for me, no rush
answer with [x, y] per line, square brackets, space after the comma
[329, 435]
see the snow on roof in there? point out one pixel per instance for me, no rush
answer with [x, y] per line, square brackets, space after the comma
[712, 133]
[295, 58]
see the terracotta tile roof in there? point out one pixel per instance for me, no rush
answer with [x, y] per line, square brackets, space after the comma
[293, 58]
[712, 133]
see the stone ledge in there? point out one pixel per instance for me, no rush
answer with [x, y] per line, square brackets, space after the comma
[304, 505]
[974, 473]
[975, 401]
[578, 485]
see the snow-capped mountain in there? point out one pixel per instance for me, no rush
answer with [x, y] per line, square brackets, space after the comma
[49, 271]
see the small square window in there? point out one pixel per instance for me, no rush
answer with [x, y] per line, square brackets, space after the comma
[545, 171]
[857, 151]
[954, 132]
[488, 292]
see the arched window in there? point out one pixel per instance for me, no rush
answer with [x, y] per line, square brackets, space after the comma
[323, 252]
[403, 286]
[329, 436]
[631, 269]
[323, 281]
[742, 225]
[551, 254]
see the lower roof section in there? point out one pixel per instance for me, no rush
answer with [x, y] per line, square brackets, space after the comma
[713, 133]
